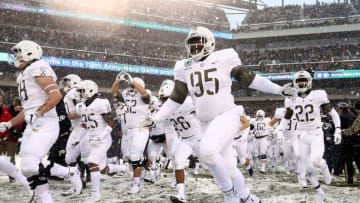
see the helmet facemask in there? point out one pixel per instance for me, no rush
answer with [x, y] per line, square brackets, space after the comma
[132, 90]
[260, 115]
[87, 90]
[302, 84]
[24, 52]
[200, 43]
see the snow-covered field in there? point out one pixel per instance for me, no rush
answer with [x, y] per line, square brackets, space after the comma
[272, 188]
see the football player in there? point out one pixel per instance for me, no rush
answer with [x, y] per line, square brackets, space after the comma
[261, 133]
[137, 99]
[207, 77]
[39, 95]
[240, 143]
[306, 108]
[187, 126]
[287, 136]
[96, 117]
[78, 143]
[157, 143]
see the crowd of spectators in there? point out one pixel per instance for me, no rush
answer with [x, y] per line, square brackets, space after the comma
[300, 55]
[273, 14]
[296, 16]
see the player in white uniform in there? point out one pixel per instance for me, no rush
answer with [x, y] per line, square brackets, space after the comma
[306, 108]
[96, 117]
[188, 128]
[78, 142]
[240, 143]
[206, 77]
[262, 132]
[287, 136]
[39, 95]
[157, 144]
[137, 99]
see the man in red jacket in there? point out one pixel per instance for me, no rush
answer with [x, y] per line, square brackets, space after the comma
[5, 116]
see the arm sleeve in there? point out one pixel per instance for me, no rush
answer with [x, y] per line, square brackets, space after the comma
[265, 85]
[335, 117]
[167, 108]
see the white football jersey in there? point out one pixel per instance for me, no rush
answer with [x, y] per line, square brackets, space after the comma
[279, 114]
[209, 82]
[70, 101]
[137, 109]
[260, 127]
[184, 119]
[307, 110]
[30, 93]
[91, 115]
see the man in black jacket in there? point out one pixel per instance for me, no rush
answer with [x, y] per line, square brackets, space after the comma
[351, 136]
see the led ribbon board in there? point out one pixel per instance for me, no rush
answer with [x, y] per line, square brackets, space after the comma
[163, 71]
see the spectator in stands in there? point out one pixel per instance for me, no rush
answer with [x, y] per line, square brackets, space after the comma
[6, 146]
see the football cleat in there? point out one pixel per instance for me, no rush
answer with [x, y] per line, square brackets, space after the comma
[76, 182]
[231, 196]
[251, 199]
[135, 189]
[95, 197]
[320, 197]
[177, 199]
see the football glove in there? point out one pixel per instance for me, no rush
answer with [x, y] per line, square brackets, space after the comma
[337, 136]
[4, 126]
[31, 117]
[148, 123]
[123, 76]
[288, 90]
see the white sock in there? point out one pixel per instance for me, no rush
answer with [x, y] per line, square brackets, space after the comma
[59, 171]
[95, 181]
[197, 165]
[181, 189]
[42, 191]
[239, 184]
[137, 180]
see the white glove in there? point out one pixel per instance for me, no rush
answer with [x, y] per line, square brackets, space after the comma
[148, 123]
[123, 76]
[288, 90]
[4, 126]
[95, 141]
[280, 137]
[337, 136]
[31, 117]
